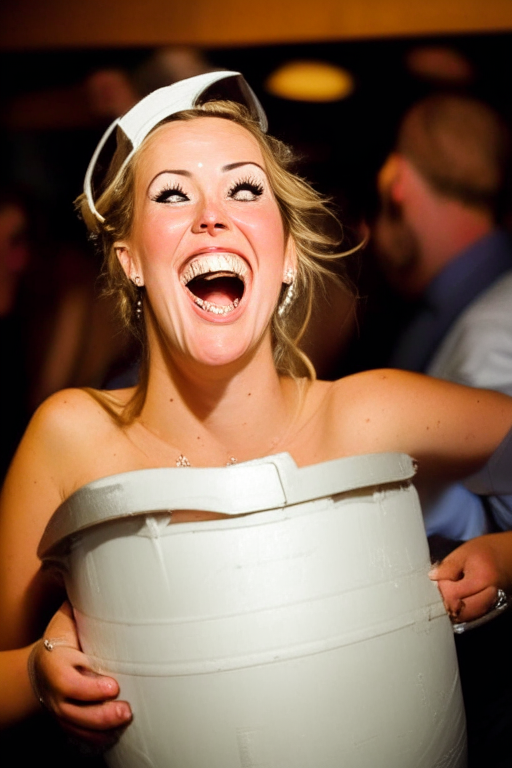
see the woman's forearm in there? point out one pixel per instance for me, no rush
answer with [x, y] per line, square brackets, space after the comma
[17, 699]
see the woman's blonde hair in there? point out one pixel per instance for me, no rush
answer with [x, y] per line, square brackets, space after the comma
[306, 215]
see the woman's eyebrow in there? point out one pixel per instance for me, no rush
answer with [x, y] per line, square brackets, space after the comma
[188, 174]
[232, 166]
[170, 170]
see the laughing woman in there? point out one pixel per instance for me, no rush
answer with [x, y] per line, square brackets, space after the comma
[214, 248]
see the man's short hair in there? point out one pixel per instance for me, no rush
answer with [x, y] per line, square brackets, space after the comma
[461, 147]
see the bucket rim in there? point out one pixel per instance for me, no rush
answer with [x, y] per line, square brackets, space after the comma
[254, 486]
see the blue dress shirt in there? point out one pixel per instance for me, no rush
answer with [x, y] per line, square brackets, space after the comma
[456, 512]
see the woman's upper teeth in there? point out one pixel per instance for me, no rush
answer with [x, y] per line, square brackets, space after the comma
[206, 263]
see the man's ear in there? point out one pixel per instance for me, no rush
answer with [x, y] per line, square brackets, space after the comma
[129, 263]
[390, 179]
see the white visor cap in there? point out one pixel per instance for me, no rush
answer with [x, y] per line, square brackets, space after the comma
[164, 102]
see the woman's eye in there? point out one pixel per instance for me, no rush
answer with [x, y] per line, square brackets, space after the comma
[246, 191]
[170, 195]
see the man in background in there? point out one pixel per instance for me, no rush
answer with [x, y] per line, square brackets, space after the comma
[441, 246]
[442, 192]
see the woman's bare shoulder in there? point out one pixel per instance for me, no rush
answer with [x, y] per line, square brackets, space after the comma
[78, 412]
[375, 410]
[354, 415]
[371, 384]
[63, 445]
[366, 389]
[388, 397]
[68, 435]
[399, 392]
[451, 428]
[68, 443]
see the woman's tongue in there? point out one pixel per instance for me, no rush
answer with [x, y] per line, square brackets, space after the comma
[220, 291]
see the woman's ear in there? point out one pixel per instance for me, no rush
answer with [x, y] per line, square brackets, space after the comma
[290, 260]
[129, 263]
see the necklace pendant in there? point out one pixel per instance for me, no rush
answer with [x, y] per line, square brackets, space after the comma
[182, 461]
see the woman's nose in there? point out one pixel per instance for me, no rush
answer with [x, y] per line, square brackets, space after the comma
[211, 218]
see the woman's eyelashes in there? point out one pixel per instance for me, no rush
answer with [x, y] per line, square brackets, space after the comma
[170, 194]
[246, 190]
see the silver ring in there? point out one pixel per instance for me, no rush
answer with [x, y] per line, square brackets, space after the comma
[49, 645]
[501, 599]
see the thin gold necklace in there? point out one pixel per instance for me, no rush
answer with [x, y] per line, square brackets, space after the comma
[182, 461]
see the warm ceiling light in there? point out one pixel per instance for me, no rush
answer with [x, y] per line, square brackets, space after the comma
[310, 81]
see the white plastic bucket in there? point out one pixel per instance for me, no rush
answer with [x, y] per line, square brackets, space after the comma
[305, 635]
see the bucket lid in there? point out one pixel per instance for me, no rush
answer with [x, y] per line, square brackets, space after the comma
[268, 483]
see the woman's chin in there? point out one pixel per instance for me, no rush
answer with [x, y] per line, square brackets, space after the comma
[219, 345]
[220, 353]
[217, 359]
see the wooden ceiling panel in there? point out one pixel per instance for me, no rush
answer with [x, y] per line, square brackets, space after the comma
[43, 24]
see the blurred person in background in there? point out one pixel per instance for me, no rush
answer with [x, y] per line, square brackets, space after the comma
[438, 235]
[441, 247]
[56, 329]
[14, 261]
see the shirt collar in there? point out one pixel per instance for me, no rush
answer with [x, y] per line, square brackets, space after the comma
[474, 270]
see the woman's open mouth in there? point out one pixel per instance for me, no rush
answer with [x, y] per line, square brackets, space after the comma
[216, 281]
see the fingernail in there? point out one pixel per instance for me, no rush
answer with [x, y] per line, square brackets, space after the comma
[108, 685]
[123, 712]
[432, 574]
[456, 613]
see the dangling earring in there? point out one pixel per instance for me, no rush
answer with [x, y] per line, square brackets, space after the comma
[289, 294]
[138, 303]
